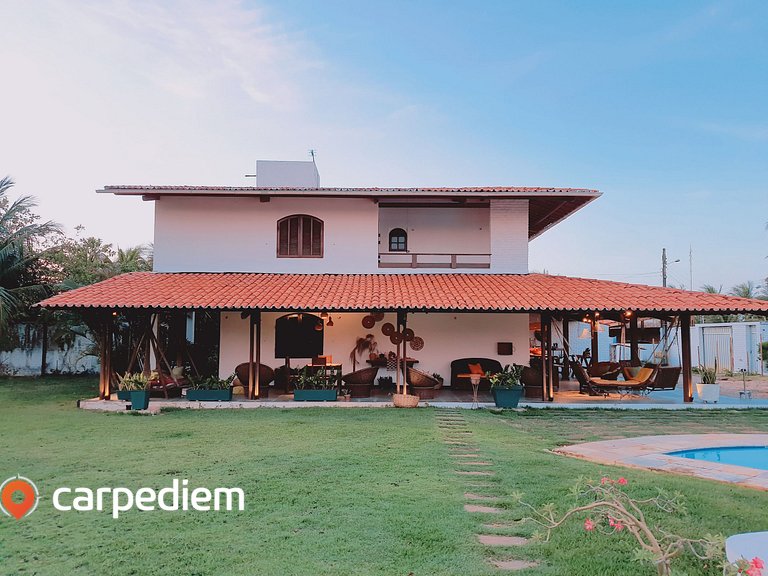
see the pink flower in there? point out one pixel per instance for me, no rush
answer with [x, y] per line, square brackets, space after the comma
[754, 571]
[622, 481]
[757, 563]
[589, 525]
[619, 526]
[611, 523]
[605, 480]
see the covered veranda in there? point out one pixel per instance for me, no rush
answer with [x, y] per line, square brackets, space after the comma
[144, 299]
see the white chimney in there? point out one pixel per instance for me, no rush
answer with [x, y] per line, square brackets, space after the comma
[286, 174]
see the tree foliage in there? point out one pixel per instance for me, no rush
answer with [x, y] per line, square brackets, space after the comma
[25, 242]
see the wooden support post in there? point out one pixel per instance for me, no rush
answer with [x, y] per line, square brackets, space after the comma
[550, 363]
[251, 366]
[634, 346]
[685, 343]
[105, 357]
[595, 341]
[256, 320]
[544, 375]
[566, 372]
[180, 326]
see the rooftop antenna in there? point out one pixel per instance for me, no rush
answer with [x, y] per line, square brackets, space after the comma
[312, 153]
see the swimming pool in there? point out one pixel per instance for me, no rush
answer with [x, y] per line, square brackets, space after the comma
[749, 456]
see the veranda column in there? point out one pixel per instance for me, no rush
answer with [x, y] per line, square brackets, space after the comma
[566, 372]
[634, 346]
[550, 363]
[256, 320]
[105, 358]
[545, 323]
[251, 371]
[595, 341]
[685, 342]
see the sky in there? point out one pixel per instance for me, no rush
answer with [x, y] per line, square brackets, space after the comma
[662, 106]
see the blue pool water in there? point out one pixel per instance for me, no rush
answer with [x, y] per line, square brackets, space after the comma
[749, 456]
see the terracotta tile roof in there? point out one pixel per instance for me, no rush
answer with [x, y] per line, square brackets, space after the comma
[348, 292]
[365, 191]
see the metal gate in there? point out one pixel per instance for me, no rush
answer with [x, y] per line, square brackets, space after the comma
[717, 342]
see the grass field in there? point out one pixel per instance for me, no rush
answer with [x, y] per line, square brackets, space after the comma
[328, 491]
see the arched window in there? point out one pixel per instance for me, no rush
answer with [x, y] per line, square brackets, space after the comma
[398, 240]
[300, 236]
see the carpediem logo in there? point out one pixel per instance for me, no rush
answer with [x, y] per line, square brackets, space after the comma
[177, 496]
[18, 497]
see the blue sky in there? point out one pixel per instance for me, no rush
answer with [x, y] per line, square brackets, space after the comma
[663, 106]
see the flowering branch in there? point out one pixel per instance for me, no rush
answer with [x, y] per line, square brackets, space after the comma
[615, 511]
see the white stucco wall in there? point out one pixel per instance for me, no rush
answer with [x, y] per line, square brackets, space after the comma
[446, 338]
[240, 235]
[452, 230]
[509, 236]
[228, 234]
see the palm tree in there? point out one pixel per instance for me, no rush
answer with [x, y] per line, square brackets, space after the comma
[744, 290]
[709, 289]
[21, 237]
[133, 259]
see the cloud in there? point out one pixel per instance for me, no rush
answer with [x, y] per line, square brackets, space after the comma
[740, 131]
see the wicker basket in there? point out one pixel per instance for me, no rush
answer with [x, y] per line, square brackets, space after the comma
[419, 379]
[364, 376]
[405, 400]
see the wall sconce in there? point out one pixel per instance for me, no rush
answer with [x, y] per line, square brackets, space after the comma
[330, 322]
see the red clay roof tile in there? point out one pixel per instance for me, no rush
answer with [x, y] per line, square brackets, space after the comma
[489, 292]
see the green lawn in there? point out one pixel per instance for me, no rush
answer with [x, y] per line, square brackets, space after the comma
[328, 491]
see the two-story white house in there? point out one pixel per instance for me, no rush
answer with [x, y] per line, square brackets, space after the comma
[451, 263]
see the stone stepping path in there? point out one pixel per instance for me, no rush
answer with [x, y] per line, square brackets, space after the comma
[513, 564]
[473, 496]
[480, 509]
[457, 436]
[495, 540]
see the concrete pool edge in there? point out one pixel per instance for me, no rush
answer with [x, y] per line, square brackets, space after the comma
[650, 453]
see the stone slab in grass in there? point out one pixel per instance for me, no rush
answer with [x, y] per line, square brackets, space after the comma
[477, 463]
[473, 496]
[474, 472]
[496, 540]
[470, 455]
[479, 508]
[513, 564]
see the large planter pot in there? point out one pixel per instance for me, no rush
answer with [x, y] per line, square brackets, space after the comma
[424, 392]
[124, 395]
[360, 390]
[708, 392]
[139, 399]
[210, 395]
[405, 400]
[314, 395]
[507, 397]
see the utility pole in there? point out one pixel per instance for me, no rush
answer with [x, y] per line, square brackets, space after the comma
[664, 329]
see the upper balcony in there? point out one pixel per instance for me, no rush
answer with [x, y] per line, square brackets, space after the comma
[431, 235]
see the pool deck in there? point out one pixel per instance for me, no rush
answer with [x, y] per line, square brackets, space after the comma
[650, 453]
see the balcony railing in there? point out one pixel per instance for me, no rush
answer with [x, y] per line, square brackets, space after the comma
[433, 260]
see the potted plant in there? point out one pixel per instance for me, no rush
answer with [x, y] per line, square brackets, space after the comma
[708, 388]
[137, 387]
[439, 379]
[211, 389]
[505, 386]
[368, 343]
[314, 386]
